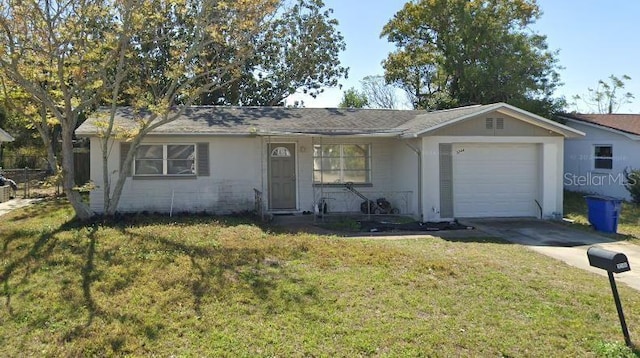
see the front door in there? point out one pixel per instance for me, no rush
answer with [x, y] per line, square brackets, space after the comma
[282, 176]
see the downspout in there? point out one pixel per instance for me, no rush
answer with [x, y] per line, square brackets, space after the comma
[419, 153]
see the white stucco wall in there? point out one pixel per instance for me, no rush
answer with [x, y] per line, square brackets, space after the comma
[405, 163]
[394, 177]
[579, 172]
[240, 164]
[235, 170]
[550, 165]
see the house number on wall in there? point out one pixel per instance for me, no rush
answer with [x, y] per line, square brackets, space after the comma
[459, 151]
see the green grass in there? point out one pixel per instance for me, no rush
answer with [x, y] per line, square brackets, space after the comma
[575, 208]
[202, 286]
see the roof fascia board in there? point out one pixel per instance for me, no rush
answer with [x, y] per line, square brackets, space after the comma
[374, 135]
[453, 121]
[515, 112]
[262, 134]
[539, 121]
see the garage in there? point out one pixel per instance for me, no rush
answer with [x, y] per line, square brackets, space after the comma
[495, 180]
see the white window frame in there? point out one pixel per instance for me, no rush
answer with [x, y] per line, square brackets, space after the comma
[596, 158]
[165, 161]
[342, 163]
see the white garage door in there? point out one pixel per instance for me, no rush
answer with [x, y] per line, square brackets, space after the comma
[495, 180]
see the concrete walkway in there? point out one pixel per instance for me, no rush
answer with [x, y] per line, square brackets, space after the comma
[563, 243]
[16, 203]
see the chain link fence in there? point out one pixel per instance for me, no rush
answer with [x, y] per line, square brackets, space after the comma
[33, 182]
[33, 177]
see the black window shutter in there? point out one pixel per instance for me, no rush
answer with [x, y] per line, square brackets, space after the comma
[202, 155]
[124, 149]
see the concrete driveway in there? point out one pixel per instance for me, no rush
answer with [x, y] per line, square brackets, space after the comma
[563, 243]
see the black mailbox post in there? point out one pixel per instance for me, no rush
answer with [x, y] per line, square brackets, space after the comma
[612, 262]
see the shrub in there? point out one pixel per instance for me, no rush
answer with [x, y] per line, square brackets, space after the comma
[632, 183]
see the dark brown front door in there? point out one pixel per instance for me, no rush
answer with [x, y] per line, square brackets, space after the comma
[282, 176]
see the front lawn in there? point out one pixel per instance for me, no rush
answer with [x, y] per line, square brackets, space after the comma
[203, 286]
[575, 208]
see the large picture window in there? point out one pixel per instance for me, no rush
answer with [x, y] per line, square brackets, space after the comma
[603, 157]
[165, 159]
[342, 163]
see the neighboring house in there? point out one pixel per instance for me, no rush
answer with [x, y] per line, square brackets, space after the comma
[596, 163]
[5, 137]
[479, 161]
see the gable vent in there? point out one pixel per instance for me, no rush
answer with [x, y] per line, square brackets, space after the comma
[500, 123]
[489, 123]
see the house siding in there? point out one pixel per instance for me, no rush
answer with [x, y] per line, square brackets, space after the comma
[237, 165]
[405, 164]
[393, 177]
[579, 172]
[477, 126]
[234, 168]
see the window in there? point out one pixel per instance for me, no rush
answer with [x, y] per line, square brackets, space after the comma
[342, 163]
[603, 157]
[280, 152]
[165, 159]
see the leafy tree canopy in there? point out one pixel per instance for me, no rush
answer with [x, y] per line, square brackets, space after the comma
[353, 99]
[68, 57]
[453, 53]
[298, 52]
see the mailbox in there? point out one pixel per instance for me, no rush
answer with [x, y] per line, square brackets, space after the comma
[610, 261]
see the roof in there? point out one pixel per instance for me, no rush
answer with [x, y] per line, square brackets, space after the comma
[224, 120]
[627, 123]
[5, 137]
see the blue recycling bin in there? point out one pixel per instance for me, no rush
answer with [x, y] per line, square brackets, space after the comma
[604, 212]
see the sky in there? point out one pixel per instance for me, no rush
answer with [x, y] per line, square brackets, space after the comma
[595, 39]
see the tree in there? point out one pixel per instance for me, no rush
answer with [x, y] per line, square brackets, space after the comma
[23, 115]
[351, 98]
[606, 97]
[378, 93]
[298, 53]
[452, 53]
[71, 56]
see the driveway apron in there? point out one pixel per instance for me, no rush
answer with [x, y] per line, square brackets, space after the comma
[563, 243]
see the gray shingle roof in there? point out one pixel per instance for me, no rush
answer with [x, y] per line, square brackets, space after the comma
[301, 121]
[247, 120]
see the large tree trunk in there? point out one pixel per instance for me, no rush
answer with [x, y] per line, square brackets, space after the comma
[106, 175]
[68, 176]
[122, 175]
[48, 138]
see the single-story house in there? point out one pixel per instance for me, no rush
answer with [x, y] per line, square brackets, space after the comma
[5, 137]
[596, 162]
[478, 161]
